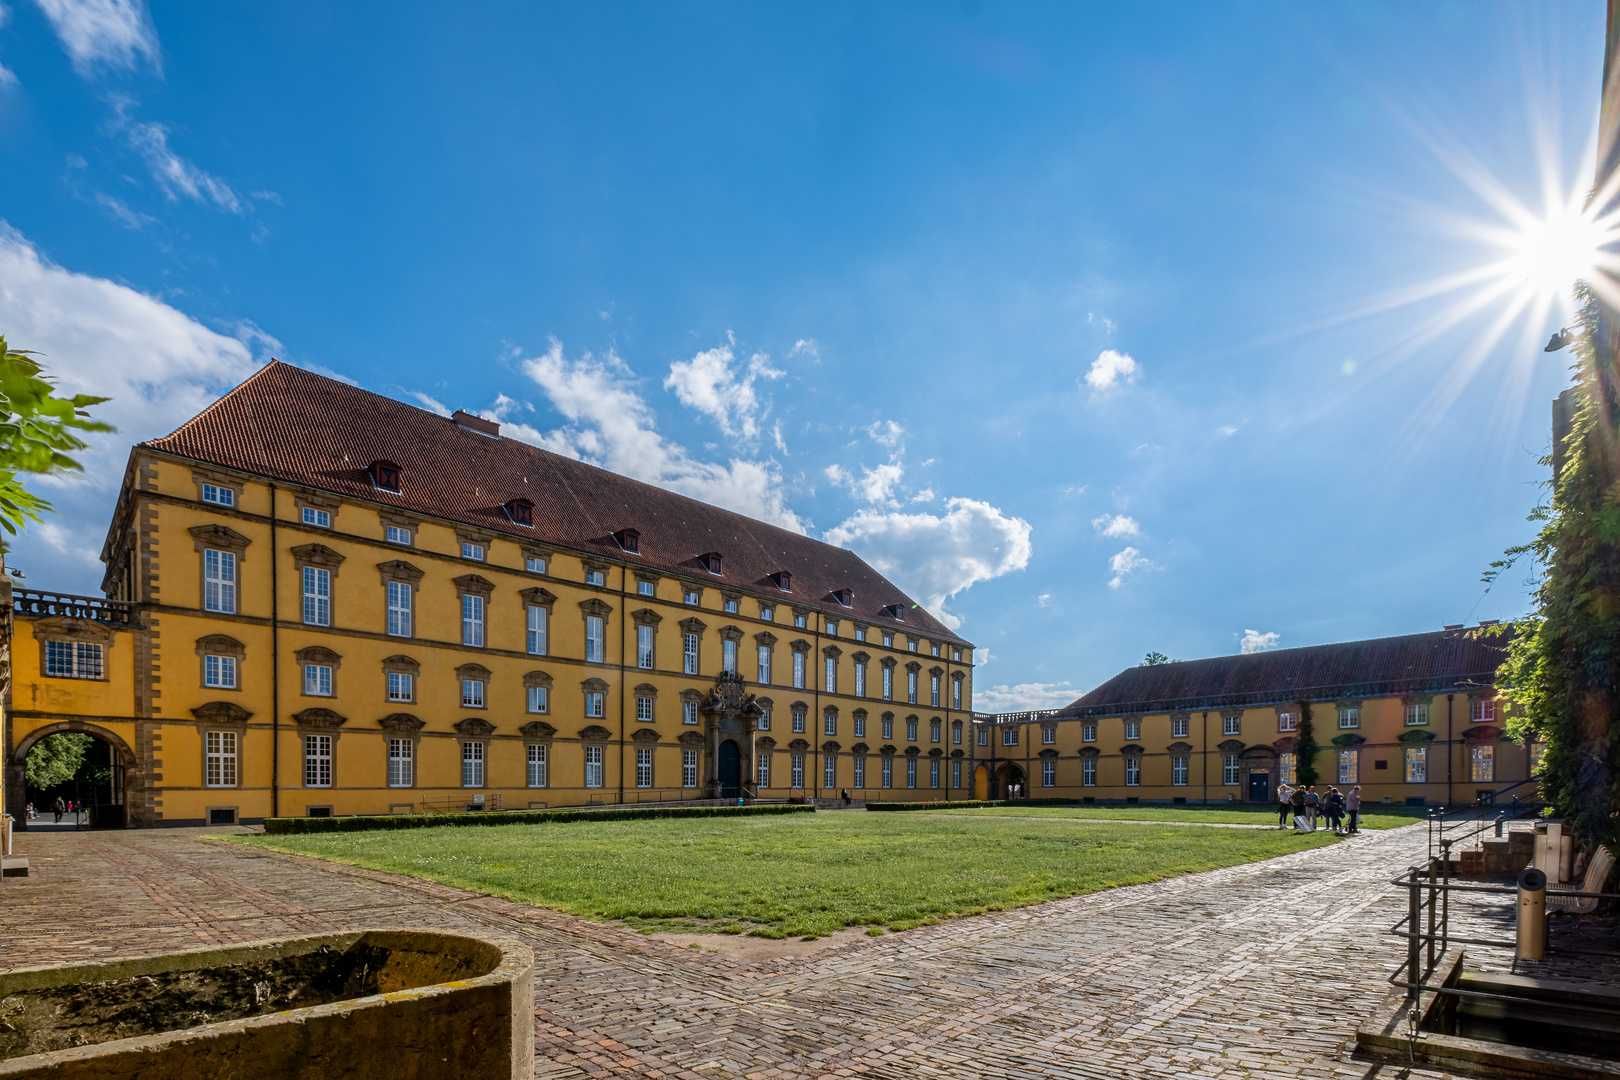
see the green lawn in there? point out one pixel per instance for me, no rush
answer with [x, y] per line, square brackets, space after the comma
[798, 875]
[1379, 817]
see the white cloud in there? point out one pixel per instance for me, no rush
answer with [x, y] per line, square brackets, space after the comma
[121, 213]
[934, 557]
[806, 347]
[1023, 697]
[429, 403]
[1121, 525]
[1044, 600]
[1254, 641]
[1111, 368]
[175, 174]
[109, 33]
[776, 437]
[708, 383]
[609, 424]
[875, 485]
[1228, 430]
[1071, 489]
[7, 76]
[1127, 562]
[886, 433]
[159, 366]
[925, 495]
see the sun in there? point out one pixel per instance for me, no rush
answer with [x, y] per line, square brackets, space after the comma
[1547, 255]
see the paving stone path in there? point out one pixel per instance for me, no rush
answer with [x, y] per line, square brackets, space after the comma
[1257, 970]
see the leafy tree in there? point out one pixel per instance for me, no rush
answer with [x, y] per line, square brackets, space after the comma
[1306, 748]
[55, 759]
[1562, 674]
[1154, 659]
[37, 433]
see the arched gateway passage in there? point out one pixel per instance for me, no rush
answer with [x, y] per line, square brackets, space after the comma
[80, 763]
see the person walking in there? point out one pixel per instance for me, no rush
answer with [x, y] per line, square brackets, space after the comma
[1352, 803]
[1296, 803]
[59, 809]
[1283, 806]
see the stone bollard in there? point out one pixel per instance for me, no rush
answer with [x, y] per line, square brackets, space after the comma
[1532, 935]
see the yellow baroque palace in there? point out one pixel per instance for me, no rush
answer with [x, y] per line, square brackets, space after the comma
[323, 601]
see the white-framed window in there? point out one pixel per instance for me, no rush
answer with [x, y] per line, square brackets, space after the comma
[472, 764]
[956, 733]
[800, 620]
[1088, 731]
[888, 684]
[472, 551]
[764, 665]
[798, 770]
[539, 699]
[219, 581]
[689, 712]
[222, 496]
[731, 606]
[401, 763]
[933, 730]
[399, 609]
[539, 763]
[74, 659]
[911, 772]
[317, 596]
[860, 726]
[689, 769]
[1417, 714]
[984, 735]
[1349, 770]
[798, 671]
[912, 642]
[644, 767]
[593, 765]
[1417, 764]
[1288, 721]
[956, 770]
[1483, 709]
[1133, 771]
[401, 686]
[218, 671]
[644, 646]
[762, 769]
[692, 596]
[888, 771]
[767, 612]
[318, 680]
[829, 772]
[595, 704]
[317, 761]
[911, 728]
[534, 564]
[472, 620]
[1048, 774]
[689, 653]
[1088, 772]
[860, 771]
[1178, 727]
[860, 679]
[1349, 717]
[644, 709]
[933, 772]
[829, 724]
[832, 627]
[1009, 735]
[396, 535]
[728, 656]
[860, 633]
[1287, 766]
[596, 577]
[321, 519]
[472, 693]
[888, 726]
[1178, 771]
[798, 720]
[539, 631]
[1133, 729]
[933, 691]
[1482, 764]
[911, 688]
[1229, 770]
[1232, 724]
[1048, 735]
[595, 639]
[888, 641]
[220, 749]
[956, 693]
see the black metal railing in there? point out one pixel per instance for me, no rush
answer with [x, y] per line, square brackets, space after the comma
[40, 604]
[1450, 826]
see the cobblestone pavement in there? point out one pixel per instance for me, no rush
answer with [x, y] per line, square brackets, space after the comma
[1251, 970]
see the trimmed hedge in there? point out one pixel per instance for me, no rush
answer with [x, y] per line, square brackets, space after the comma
[967, 804]
[283, 826]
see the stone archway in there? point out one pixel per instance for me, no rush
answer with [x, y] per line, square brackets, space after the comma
[122, 762]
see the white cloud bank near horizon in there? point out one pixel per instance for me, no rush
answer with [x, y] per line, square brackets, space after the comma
[1023, 697]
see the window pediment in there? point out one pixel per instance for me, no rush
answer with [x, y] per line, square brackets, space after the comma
[537, 729]
[475, 725]
[1131, 750]
[646, 617]
[644, 735]
[221, 645]
[730, 633]
[799, 645]
[693, 626]
[474, 585]
[912, 751]
[399, 570]
[859, 748]
[402, 722]
[221, 712]
[832, 652]
[1230, 746]
[594, 686]
[646, 690]
[219, 537]
[888, 748]
[693, 738]
[401, 665]
[830, 747]
[318, 654]
[798, 744]
[595, 733]
[320, 718]
[316, 555]
[1047, 753]
[1178, 748]
[765, 638]
[538, 597]
[476, 672]
[595, 606]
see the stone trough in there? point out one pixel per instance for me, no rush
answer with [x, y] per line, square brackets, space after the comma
[400, 1004]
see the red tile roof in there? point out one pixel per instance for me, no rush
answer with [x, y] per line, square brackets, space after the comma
[288, 424]
[1447, 660]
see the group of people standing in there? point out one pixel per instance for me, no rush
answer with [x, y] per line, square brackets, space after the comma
[1302, 803]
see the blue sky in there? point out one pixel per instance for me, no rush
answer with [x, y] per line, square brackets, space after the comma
[1099, 326]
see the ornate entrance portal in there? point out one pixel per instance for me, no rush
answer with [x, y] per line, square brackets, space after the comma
[730, 721]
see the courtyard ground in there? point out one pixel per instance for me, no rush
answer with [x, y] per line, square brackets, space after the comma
[795, 875]
[1258, 969]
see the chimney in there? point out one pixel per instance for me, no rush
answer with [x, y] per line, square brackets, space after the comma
[465, 419]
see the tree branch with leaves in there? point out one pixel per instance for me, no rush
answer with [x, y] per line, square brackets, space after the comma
[39, 430]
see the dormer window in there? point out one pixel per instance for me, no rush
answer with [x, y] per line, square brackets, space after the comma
[783, 580]
[845, 597]
[521, 511]
[385, 476]
[629, 540]
[897, 612]
[710, 561]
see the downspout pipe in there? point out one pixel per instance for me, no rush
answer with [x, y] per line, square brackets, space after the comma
[275, 667]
